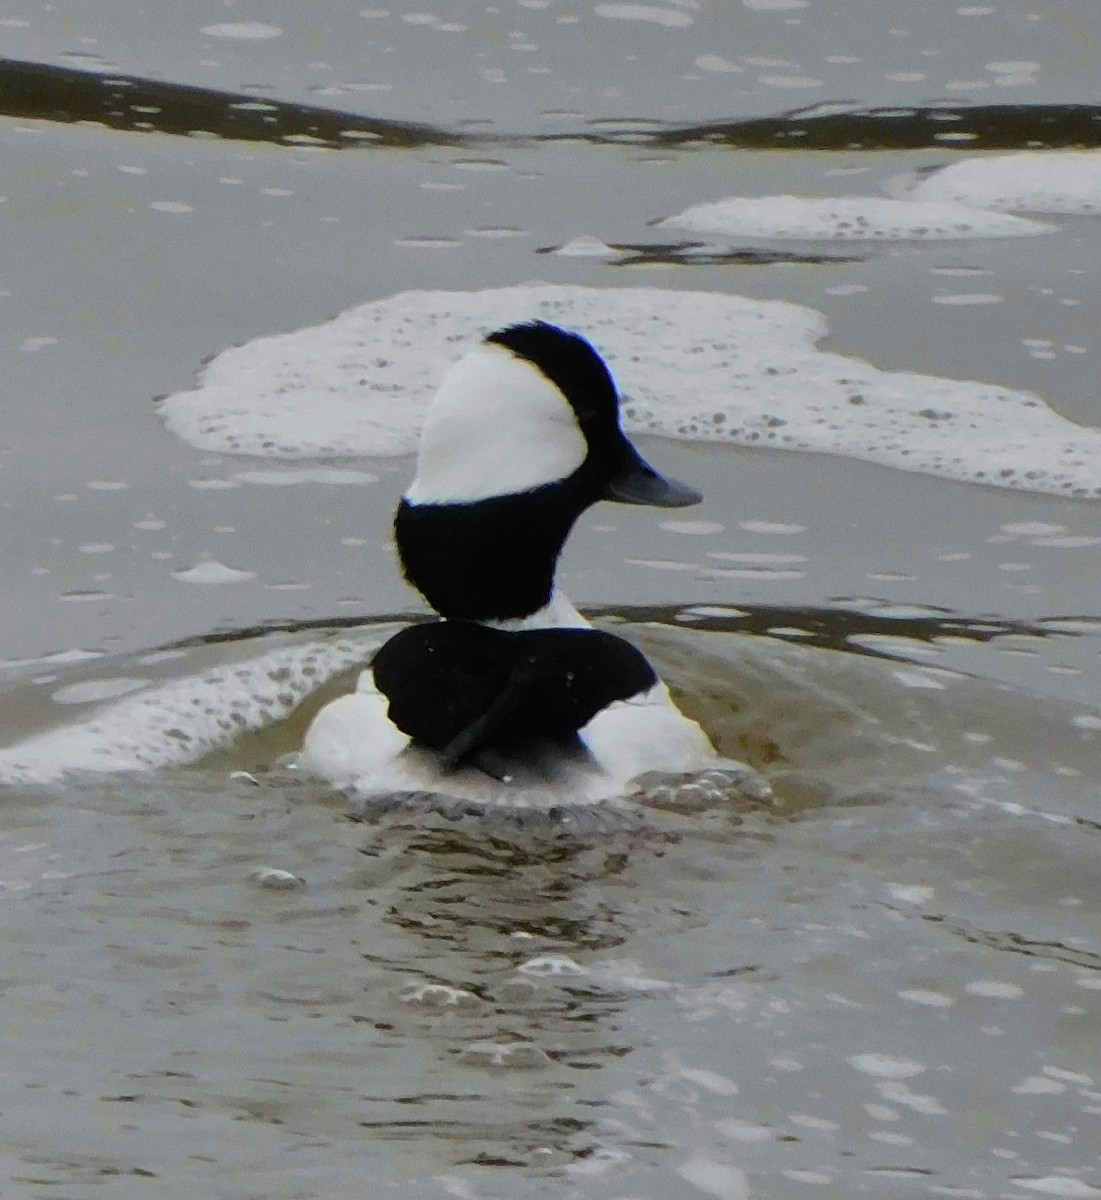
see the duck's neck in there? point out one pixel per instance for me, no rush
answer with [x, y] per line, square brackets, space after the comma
[557, 613]
[493, 560]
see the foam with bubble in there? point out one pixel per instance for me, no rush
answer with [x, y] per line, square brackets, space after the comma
[848, 218]
[1048, 181]
[180, 721]
[693, 365]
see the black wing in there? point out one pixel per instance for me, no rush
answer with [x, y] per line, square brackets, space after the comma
[464, 689]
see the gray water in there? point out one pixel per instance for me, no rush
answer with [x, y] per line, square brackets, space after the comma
[885, 983]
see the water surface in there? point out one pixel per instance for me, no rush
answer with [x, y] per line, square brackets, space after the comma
[241, 984]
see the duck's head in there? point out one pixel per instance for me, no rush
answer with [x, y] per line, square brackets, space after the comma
[522, 436]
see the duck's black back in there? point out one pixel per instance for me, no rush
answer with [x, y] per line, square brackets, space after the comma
[463, 688]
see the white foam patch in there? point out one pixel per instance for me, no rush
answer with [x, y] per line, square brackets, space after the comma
[212, 573]
[58, 659]
[1047, 181]
[696, 366]
[669, 17]
[923, 996]
[585, 246]
[848, 218]
[883, 1066]
[1057, 1185]
[717, 1179]
[179, 722]
[331, 476]
[243, 31]
[995, 989]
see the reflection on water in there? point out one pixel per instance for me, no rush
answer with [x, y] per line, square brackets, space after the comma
[946, 126]
[51, 92]
[246, 697]
[45, 92]
[650, 254]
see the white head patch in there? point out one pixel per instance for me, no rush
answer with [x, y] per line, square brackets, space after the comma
[496, 426]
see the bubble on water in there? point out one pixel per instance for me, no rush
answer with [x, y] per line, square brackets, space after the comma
[552, 964]
[428, 243]
[212, 572]
[625, 975]
[670, 17]
[84, 596]
[895, 645]
[516, 991]
[701, 612]
[994, 989]
[883, 1066]
[710, 1081]
[440, 996]
[1069, 1076]
[906, 612]
[716, 62]
[585, 246]
[213, 485]
[965, 299]
[899, 1093]
[726, 785]
[898, 1139]
[1038, 1085]
[744, 1131]
[819, 1124]
[932, 999]
[1033, 528]
[695, 528]
[496, 231]
[1057, 1185]
[59, 658]
[721, 1180]
[277, 879]
[770, 527]
[758, 560]
[243, 31]
[87, 61]
[97, 689]
[917, 679]
[847, 218]
[1044, 181]
[330, 476]
[514, 1056]
[1067, 542]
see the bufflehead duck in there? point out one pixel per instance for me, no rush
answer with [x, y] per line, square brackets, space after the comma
[521, 438]
[491, 697]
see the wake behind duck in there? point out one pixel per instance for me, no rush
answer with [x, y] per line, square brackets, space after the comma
[511, 698]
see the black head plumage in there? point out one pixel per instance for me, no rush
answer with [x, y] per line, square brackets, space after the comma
[494, 558]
